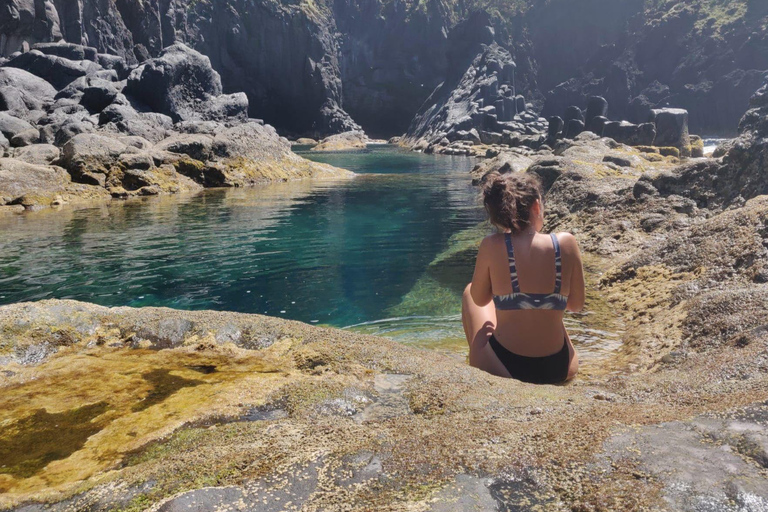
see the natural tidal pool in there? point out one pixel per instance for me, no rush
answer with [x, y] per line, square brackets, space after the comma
[387, 252]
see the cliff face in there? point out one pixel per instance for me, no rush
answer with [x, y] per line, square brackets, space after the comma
[284, 56]
[705, 56]
[318, 67]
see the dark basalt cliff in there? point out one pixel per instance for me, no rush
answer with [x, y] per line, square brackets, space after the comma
[319, 67]
[705, 56]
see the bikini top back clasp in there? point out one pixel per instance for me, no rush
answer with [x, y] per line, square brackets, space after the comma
[527, 301]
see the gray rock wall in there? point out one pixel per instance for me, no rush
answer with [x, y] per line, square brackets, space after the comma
[321, 67]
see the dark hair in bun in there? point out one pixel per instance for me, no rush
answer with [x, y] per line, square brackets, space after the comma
[508, 199]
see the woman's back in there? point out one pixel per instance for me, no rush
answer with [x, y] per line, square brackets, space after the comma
[524, 281]
[530, 332]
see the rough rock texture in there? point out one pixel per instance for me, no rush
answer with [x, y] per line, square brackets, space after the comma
[742, 173]
[290, 69]
[343, 141]
[477, 101]
[31, 185]
[480, 106]
[212, 410]
[103, 131]
[305, 65]
[703, 56]
[180, 83]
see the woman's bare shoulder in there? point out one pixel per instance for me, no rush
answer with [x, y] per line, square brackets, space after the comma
[490, 243]
[493, 239]
[568, 242]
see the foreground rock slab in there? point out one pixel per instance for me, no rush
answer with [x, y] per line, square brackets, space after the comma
[225, 411]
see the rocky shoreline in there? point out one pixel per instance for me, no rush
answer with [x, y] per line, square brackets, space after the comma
[331, 420]
[92, 129]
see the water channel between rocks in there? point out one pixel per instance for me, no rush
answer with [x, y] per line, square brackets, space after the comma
[385, 253]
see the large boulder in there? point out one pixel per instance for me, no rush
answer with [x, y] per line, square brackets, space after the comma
[597, 125]
[28, 83]
[343, 141]
[124, 119]
[22, 92]
[242, 155]
[671, 127]
[58, 71]
[26, 138]
[25, 183]
[596, 107]
[227, 107]
[573, 113]
[11, 126]
[630, 134]
[195, 146]
[114, 63]
[68, 51]
[574, 128]
[89, 157]
[37, 154]
[177, 83]
[98, 95]
[555, 128]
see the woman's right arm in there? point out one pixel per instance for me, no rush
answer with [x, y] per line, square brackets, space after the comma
[482, 292]
[578, 290]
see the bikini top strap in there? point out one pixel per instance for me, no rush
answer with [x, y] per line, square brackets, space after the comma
[558, 264]
[512, 266]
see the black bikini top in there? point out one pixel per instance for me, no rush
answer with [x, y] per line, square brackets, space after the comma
[526, 301]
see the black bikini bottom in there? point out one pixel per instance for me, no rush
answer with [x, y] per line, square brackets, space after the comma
[534, 370]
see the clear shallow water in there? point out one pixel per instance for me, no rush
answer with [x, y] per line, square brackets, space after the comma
[383, 253]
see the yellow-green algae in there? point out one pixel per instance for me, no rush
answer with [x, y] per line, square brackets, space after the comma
[79, 412]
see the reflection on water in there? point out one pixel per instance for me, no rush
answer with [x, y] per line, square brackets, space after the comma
[387, 252]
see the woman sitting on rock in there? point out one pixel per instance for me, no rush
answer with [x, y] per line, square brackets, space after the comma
[523, 283]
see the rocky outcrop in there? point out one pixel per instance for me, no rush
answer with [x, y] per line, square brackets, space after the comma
[284, 56]
[343, 142]
[327, 414]
[168, 128]
[479, 105]
[666, 128]
[182, 84]
[739, 176]
[35, 183]
[670, 55]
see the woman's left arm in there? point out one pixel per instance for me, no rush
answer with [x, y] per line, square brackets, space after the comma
[577, 294]
[482, 292]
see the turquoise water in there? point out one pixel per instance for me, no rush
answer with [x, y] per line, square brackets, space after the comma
[387, 252]
[339, 253]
